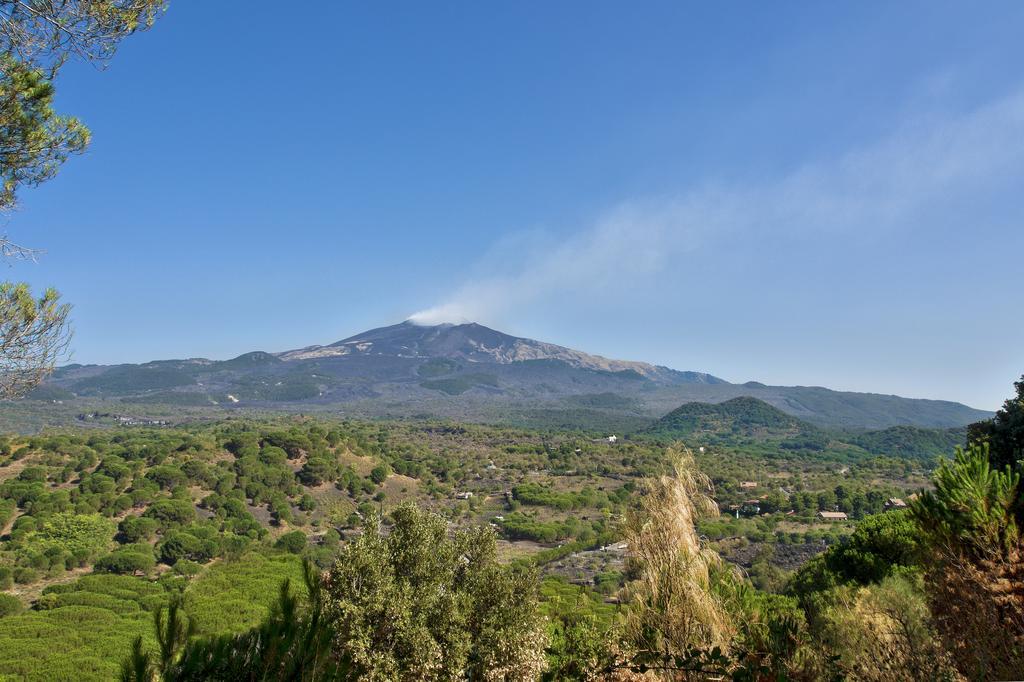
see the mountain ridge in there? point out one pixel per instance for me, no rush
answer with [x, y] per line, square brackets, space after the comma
[469, 371]
[469, 341]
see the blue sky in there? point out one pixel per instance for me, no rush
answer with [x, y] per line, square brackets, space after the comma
[797, 193]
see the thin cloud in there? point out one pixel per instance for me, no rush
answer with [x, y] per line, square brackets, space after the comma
[885, 186]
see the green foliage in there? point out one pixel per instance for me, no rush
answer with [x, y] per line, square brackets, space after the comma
[380, 474]
[130, 560]
[10, 605]
[567, 488]
[233, 596]
[170, 513]
[910, 441]
[884, 631]
[517, 526]
[198, 543]
[71, 643]
[970, 524]
[36, 140]
[1004, 433]
[135, 528]
[747, 416]
[293, 643]
[293, 542]
[417, 599]
[23, 575]
[85, 534]
[580, 627]
[881, 546]
[86, 627]
[82, 598]
[34, 330]
[538, 495]
[81, 631]
[975, 505]
[134, 378]
[172, 632]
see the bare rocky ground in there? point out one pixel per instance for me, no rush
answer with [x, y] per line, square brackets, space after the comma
[788, 557]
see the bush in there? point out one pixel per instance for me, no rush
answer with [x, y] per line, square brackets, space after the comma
[331, 538]
[380, 474]
[187, 568]
[96, 600]
[10, 605]
[182, 545]
[137, 528]
[293, 542]
[23, 575]
[84, 534]
[127, 561]
[230, 597]
[170, 512]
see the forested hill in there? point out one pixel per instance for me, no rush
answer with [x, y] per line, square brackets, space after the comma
[749, 421]
[743, 416]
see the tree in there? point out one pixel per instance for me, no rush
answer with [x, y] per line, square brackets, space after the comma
[36, 38]
[417, 603]
[380, 473]
[1004, 433]
[881, 546]
[293, 542]
[971, 530]
[33, 336]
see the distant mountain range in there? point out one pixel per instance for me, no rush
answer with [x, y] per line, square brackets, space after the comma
[472, 372]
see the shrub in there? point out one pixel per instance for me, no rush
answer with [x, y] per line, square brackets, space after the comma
[84, 534]
[380, 474]
[137, 528]
[10, 605]
[171, 512]
[96, 600]
[229, 597]
[23, 575]
[126, 561]
[331, 538]
[6, 577]
[187, 568]
[182, 545]
[293, 542]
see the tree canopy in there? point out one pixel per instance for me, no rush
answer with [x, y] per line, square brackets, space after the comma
[1004, 433]
[36, 38]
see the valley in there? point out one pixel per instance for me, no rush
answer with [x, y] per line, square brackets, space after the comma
[107, 521]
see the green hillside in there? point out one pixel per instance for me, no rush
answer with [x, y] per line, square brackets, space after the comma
[910, 441]
[756, 426]
[741, 417]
